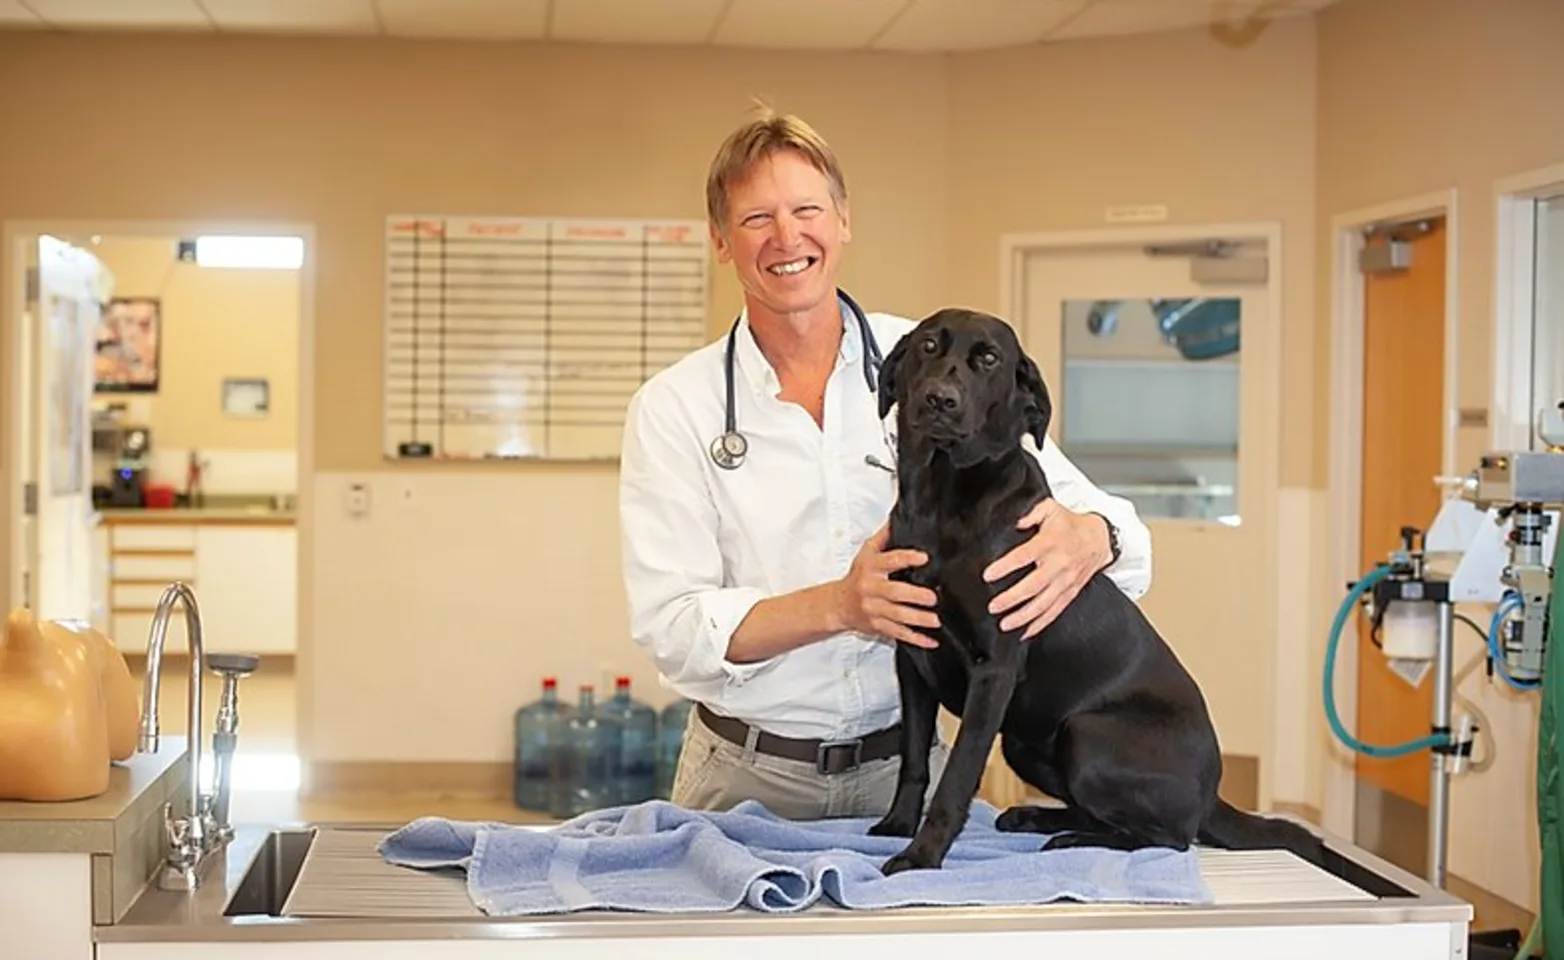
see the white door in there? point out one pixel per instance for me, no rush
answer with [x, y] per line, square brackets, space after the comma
[58, 334]
[1159, 399]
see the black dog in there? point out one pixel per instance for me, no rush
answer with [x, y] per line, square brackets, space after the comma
[1096, 710]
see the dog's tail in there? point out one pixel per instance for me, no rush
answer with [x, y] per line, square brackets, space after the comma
[1232, 829]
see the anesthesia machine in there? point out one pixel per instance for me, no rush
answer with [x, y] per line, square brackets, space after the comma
[1503, 527]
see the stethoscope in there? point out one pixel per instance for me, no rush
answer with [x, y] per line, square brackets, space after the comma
[728, 450]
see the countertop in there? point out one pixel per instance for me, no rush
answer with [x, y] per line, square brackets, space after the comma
[194, 515]
[138, 786]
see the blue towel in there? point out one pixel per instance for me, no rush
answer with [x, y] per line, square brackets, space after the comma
[655, 857]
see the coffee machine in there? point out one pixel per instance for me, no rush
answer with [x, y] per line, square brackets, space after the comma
[128, 477]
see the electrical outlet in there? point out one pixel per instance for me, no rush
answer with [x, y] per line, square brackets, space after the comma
[357, 499]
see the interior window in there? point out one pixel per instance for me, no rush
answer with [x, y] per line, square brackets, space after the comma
[1150, 402]
[1547, 324]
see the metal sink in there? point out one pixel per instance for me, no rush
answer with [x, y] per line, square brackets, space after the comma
[271, 875]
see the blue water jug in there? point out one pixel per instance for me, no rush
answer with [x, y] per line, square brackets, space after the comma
[635, 774]
[583, 774]
[670, 736]
[539, 726]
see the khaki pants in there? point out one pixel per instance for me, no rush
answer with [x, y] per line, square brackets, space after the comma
[715, 774]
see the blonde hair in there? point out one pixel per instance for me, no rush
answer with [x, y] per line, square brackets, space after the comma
[756, 140]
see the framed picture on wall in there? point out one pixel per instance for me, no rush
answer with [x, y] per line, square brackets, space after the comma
[129, 346]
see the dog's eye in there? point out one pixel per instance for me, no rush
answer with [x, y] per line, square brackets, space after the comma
[929, 345]
[987, 358]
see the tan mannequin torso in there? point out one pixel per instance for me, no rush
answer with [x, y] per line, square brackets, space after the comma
[68, 708]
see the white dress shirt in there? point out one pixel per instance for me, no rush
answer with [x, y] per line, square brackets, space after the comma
[701, 544]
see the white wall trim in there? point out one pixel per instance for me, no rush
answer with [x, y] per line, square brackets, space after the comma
[17, 231]
[13, 458]
[1515, 248]
[1339, 806]
[1282, 658]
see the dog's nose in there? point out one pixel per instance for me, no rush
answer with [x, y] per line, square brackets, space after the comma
[942, 397]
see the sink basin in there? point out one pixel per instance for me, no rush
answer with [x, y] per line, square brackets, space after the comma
[270, 877]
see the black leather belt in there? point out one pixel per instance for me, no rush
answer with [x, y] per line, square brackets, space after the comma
[829, 756]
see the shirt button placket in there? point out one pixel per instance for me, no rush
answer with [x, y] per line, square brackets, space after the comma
[842, 549]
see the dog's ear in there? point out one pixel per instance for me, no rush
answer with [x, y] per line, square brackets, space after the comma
[890, 376]
[1036, 407]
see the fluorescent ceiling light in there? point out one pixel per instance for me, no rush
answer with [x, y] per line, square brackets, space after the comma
[258, 253]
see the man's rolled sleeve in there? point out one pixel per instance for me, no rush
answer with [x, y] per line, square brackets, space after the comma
[681, 614]
[1132, 571]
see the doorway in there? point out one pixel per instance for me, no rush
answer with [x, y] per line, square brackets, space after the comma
[1403, 276]
[1161, 350]
[1392, 439]
[194, 423]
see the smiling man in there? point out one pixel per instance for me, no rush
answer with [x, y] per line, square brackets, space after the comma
[755, 483]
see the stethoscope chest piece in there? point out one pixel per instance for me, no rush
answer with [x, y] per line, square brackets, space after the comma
[728, 450]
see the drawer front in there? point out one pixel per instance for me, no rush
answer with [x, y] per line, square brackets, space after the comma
[161, 568]
[151, 536]
[136, 596]
[130, 632]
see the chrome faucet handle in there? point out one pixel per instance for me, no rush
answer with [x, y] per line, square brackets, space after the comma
[184, 850]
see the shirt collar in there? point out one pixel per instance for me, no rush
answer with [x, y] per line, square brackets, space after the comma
[759, 372]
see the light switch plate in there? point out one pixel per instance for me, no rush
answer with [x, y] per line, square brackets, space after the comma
[357, 499]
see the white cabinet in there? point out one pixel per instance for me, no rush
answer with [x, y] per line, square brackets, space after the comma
[245, 577]
[143, 559]
[247, 587]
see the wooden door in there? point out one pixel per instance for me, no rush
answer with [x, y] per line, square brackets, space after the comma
[1403, 409]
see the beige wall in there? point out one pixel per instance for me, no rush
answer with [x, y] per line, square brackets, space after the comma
[1418, 96]
[339, 134]
[1045, 138]
[216, 324]
[342, 133]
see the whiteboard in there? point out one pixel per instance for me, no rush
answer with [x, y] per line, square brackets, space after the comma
[513, 338]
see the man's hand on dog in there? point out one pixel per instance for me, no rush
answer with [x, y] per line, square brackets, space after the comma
[1066, 551]
[870, 602]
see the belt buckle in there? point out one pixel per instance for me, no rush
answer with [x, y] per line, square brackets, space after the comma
[824, 751]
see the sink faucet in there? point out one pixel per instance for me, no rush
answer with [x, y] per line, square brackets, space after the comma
[204, 828]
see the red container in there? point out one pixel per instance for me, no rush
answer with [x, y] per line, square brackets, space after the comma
[158, 496]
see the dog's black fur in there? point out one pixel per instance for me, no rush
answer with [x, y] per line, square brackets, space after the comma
[1096, 710]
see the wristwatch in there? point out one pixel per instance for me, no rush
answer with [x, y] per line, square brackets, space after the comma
[1115, 547]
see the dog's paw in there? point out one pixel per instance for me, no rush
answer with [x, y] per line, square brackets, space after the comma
[1034, 819]
[1067, 841]
[1014, 820]
[895, 865]
[894, 826]
[915, 857]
